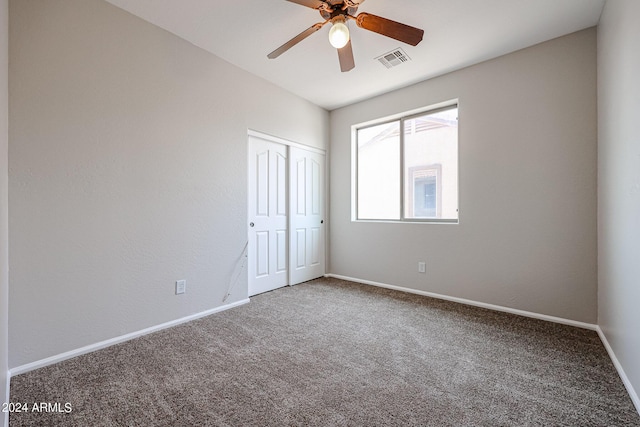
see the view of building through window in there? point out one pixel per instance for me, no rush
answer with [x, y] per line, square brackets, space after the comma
[414, 177]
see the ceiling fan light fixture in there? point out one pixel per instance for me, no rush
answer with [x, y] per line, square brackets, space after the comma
[338, 12]
[339, 33]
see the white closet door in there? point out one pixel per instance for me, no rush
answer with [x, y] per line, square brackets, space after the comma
[268, 254]
[307, 234]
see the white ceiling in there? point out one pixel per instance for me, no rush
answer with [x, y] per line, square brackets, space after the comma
[458, 33]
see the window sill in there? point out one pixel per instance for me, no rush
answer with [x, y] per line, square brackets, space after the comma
[409, 221]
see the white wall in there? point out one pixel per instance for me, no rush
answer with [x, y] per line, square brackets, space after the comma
[127, 172]
[527, 232]
[619, 184]
[4, 231]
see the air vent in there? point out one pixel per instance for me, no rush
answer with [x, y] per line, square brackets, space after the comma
[394, 58]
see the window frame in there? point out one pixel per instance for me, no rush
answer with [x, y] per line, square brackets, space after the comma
[401, 119]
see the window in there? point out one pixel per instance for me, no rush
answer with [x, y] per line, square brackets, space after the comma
[407, 169]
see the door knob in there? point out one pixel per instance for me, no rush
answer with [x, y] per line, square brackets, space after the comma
[251, 224]
[322, 221]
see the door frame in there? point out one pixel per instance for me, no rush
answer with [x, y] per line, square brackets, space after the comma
[267, 137]
[289, 144]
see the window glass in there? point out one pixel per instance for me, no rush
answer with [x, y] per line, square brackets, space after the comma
[379, 171]
[431, 165]
[419, 185]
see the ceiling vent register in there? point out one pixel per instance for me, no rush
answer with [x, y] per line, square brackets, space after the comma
[394, 58]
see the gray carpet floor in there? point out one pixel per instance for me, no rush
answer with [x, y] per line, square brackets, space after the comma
[334, 353]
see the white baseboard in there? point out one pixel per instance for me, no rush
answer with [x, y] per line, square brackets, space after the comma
[623, 376]
[107, 343]
[553, 319]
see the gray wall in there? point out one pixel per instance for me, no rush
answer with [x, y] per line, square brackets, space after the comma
[527, 233]
[4, 231]
[619, 183]
[127, 172]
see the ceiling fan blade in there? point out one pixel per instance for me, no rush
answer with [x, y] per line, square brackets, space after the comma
[345, 54]
[297, 39]
[313, 4]
[389, 28]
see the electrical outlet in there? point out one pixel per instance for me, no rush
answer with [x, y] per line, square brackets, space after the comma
[422, 267]
[181, 287]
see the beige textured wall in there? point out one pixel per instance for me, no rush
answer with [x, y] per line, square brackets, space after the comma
[4, 231]
[527, 155]
[128, 165]
[619, 184]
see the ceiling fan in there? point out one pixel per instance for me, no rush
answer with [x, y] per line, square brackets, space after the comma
[338, 12]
